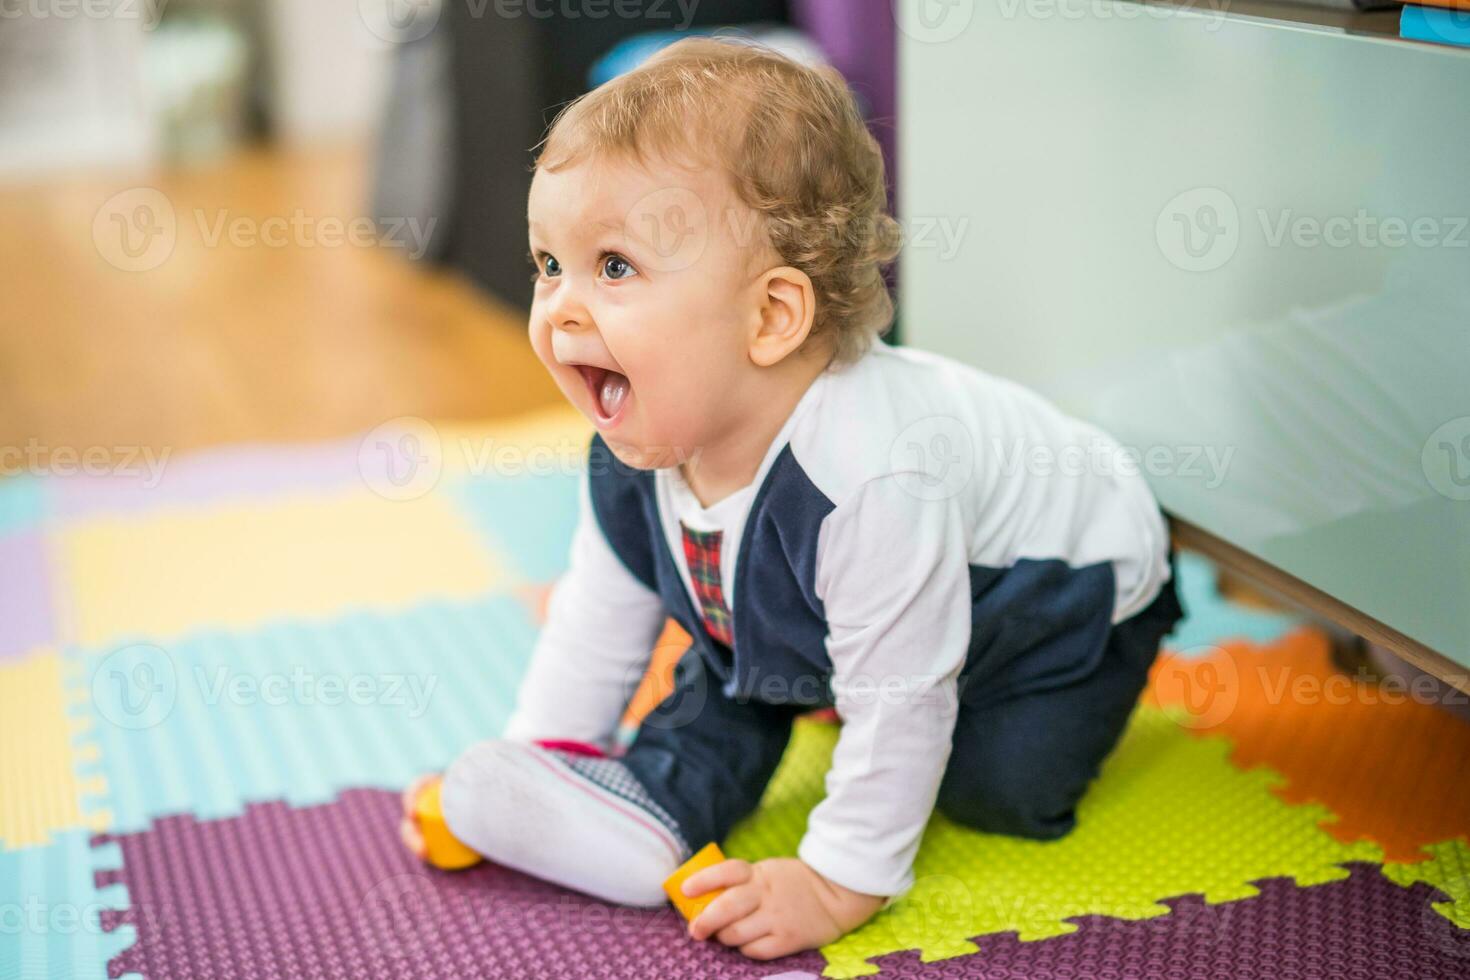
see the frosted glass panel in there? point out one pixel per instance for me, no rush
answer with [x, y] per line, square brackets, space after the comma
[1240, 245]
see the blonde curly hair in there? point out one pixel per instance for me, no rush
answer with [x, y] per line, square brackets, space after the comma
[795, 147]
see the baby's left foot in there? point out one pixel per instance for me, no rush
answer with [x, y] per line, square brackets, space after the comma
[571, 819]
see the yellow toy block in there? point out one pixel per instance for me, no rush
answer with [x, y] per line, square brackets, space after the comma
[443, 849]
[707, 857]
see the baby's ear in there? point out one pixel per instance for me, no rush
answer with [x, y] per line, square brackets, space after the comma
[788, 309]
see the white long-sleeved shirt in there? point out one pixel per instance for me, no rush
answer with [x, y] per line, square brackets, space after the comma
[908, 510]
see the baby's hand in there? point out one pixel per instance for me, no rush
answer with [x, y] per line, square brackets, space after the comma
[775, 907]
[408, 825]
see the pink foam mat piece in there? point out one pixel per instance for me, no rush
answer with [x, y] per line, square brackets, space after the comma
[212, 475]
[328, 891]
[26, 616]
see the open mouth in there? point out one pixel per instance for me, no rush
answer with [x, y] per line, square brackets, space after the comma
[609, 389]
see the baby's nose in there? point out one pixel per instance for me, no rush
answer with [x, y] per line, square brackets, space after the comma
[566, 311]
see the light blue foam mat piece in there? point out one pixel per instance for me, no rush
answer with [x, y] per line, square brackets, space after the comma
[529, 520]
[296, 710]
[51, 910]
[1210, 619]
[22, 502]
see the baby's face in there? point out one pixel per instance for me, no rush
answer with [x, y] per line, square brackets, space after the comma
[646, 300]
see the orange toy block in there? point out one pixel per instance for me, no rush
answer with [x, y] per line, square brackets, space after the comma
[444, 849]
[707, 857]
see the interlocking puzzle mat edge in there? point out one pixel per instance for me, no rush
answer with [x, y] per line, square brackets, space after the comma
[58, 901]
[1162, 913]
[1338, 741]
[1161, 793]
[49, 774]
[1211, 937]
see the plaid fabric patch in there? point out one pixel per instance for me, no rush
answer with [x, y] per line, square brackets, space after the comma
[702, 550]
[615, 777]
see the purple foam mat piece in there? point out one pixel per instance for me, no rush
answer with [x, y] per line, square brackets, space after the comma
[212, 475]
[328, 891]
[26, 619]
[1358, 928]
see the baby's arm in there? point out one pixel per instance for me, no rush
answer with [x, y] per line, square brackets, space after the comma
[601, 625]
[893, 575]
[895, 582]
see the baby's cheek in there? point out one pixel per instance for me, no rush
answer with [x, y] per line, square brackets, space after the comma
[677, 406]
[539, 333]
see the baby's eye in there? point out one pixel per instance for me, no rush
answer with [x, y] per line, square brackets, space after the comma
[553, 267]
[617, 267]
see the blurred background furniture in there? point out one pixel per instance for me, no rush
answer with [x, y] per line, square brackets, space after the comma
[1273, 297]
[453, 96]
[510, 75]
[420, 114]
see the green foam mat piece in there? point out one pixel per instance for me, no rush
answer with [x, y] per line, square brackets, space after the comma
[1448, 870]
[1169, 815]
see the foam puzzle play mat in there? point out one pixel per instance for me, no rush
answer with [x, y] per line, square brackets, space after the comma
[214, 684]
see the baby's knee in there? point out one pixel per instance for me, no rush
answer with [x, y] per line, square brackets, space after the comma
[1020, 805]
[472, 772]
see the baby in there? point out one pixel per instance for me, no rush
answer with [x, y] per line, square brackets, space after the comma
[836, 521]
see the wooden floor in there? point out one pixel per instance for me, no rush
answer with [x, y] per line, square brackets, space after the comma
[228, 342]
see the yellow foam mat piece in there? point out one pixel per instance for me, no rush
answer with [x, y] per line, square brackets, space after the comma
[1448, 869]
[160, 575]
[1169, 815]
[41, 791]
